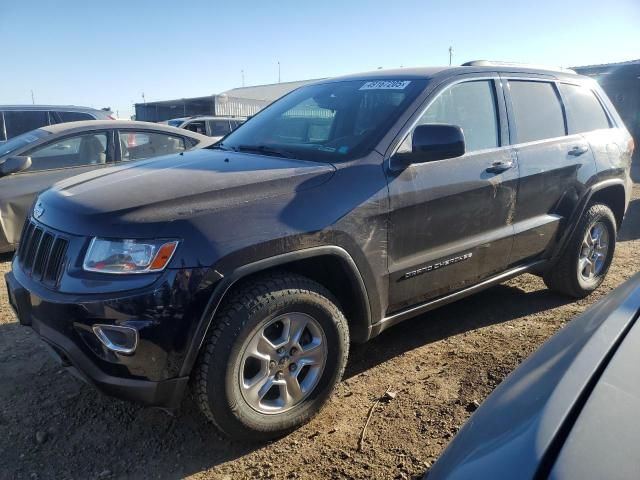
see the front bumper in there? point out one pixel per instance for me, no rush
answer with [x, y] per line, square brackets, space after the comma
[165, 316]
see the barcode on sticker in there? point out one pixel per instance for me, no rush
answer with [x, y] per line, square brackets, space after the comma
[386, 85]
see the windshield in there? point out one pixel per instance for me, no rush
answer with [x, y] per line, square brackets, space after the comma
[327, 122]
[20, 141]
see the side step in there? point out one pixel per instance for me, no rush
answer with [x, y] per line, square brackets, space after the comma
[452, 297]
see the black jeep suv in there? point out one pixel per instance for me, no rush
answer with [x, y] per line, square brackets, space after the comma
[341, 209]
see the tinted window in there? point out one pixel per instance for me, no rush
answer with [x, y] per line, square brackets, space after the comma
[197, 126]
[21, 122]
[537, 110]
[138, 145]
[583, 109]
[219, 128]
[90, 149]
[472, 107]
[331, 121]
[2, 135]
[73, 116]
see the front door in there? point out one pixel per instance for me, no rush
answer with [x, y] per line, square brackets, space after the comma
[51, 162]
[450, 220]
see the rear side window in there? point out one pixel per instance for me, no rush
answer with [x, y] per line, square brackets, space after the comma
[472, 107]
[537, 110]
[219, 128]
[584, 111]
[138, 145]
[21, 122]
[73, 116]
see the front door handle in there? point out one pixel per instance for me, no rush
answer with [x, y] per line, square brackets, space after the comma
[578, 150]
[500, 166]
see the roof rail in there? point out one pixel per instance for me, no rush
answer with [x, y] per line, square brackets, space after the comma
[496, 63]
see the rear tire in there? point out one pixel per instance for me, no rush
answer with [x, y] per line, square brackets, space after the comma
[587, 257]
[273, 356]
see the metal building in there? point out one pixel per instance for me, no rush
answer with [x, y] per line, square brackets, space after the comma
[621, 82]
[237, 102]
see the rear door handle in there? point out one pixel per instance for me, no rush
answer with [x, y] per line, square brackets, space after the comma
[500, 166]
[578, 150]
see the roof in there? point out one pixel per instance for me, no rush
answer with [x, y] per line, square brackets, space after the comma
[611, 65]
[268, 92]
[430, 72]
[612, 71]
[100, 124]
[52, 107]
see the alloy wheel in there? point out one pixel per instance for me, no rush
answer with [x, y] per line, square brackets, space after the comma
[594, 250]
[282, 362]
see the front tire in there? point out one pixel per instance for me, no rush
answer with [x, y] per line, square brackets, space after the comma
[585, 261]
[274, 355]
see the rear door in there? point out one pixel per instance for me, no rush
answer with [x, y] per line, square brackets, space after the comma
[553, 165]
[449, 224]
[51, 162]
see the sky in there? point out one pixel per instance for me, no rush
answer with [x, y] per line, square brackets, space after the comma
[110, 53]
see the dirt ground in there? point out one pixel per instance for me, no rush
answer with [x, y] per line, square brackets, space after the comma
[52, 426]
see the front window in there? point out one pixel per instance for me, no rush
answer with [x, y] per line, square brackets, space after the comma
[472, 107]
[78, 151]
[327, 122]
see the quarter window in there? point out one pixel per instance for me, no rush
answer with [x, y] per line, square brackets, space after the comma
[537, 111]
[584, 111]
[138, 145]
[73, 116]
[472, 107]
[75, 151]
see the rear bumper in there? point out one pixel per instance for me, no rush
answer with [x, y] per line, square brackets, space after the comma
[149, 376]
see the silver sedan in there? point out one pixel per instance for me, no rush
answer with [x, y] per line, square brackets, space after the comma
[32, 162]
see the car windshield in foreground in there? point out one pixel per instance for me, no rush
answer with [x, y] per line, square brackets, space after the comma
[16, 143]
[326, 122]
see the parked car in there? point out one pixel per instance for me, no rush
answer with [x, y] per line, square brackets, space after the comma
[216, 127]
[18, 119]
[571, 410]
[247, 268]
[33, 161]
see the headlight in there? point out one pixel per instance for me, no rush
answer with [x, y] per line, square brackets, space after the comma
[128, 256]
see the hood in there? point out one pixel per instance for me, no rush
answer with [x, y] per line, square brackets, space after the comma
[515, 432]
[165, 189]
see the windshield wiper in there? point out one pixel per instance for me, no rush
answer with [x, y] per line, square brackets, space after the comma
[265, 150]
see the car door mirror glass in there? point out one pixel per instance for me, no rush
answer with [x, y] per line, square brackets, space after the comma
[14, 165]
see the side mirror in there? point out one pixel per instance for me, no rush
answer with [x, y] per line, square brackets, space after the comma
[14, 165]
[435, 142]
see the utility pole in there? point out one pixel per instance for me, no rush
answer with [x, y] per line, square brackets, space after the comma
[144, 100]
[242, 73]
[450, 55]
[278, 72]
[33, 100]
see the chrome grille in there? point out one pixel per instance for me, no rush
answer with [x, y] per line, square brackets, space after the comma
[42, 253]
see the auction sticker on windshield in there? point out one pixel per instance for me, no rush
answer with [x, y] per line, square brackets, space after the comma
[386, 85]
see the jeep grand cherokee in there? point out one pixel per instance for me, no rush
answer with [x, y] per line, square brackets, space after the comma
[341, 209]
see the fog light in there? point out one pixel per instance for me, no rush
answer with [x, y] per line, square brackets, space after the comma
[116, 338]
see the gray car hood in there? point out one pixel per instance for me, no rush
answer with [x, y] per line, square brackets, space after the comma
[517, 431]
